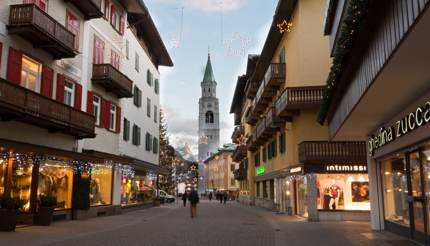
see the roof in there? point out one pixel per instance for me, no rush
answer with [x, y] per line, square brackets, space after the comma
[140, 18]
[230, 147]
[209, 74]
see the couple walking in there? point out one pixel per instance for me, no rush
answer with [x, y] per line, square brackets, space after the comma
[193, 197]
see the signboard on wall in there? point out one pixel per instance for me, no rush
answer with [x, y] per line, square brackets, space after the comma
[260, 170]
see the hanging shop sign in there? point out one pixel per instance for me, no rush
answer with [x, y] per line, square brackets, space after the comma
[260, 170]
[345, 168]
[410, 122]
[296, 170]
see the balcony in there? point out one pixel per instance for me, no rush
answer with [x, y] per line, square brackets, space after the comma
[323, 152]
[250, 117]
[90, 8]
[251, 144]
[240, 174]
[40, 29]
[239, 154]
[237, 133]
[112, 80]
[295, 98]
[19, 103]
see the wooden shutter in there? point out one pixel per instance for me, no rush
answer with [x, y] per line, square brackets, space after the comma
[107, 7]
[60, 88]
[90, 102]
[78, 96]
[118, 119]
[14, 66]
[122, 25]
[47, 81]
[105, 114]
[113, 15]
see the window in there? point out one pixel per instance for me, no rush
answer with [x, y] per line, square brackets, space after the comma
[31, 74]
[114, 17]
[42, 4]
[149, 77]
[115, 59]
[232, 167]
[282, 145]
[97, 108]
[282, 55]
[148, 142]
[106, 9]
[72, 24]
[232, 181]
[264, 154]
[136, 135]
[69, 93]
[155, 146]
[112, 117]
[127, 49]
[155, 113]
[257, 159]
[98, 52]
[136, 62]
[137, 97]
[148, 107]
[126, 133]
[101, 185]
[273, 149]
[209, 117]
[156, 87]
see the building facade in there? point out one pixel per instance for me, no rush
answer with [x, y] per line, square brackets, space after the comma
[64, 86]
[220, 169]
[292, 167]
[209, 131]
[380, 95]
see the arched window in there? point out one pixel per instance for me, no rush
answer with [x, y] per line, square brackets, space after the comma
[209, 117]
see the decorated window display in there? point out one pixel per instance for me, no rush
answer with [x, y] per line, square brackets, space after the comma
[22, 169]
[302, 193]
[56, 180]
[101, 185]
[135, 190]
[343, 192]
[3, 164]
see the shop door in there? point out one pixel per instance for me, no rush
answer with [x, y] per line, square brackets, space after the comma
[417, 206]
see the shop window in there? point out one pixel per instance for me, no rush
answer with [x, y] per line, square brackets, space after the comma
[395, 188]
[73, 25]
[302, 195]
[21, 181]
[101, 185]
[69, 93]
[343, 192]
[426, 170]
[56, 179]
[3, 163]
[31, 74]
[112, 117]
[272, 189]
[97, 108]
[137, 190]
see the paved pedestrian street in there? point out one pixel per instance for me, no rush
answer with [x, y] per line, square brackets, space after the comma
[216, 224]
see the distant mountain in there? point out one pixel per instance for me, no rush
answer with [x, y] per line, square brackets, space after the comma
[185, 153]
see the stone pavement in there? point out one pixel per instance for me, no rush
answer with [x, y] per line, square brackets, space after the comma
[232, 224]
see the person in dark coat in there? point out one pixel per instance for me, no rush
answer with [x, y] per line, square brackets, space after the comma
[184, 198]
[194, 199]
[210, 196]
[221, 197]
[225, 197]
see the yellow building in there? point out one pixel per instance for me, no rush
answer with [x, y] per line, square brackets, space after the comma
[219, 168]
[291, 166]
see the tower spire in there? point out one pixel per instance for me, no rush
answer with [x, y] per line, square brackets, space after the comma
[209, 74]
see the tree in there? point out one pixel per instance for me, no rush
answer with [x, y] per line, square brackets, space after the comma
[167, 156]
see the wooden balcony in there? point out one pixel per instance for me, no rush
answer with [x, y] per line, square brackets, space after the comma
[40, 29]
[251, 144]
[295, 98]
[239, 153]
[238, 131]
[251, 118]
[323, 152]
[19, 103]
[90, 8]
[240, 174]
[112, 80]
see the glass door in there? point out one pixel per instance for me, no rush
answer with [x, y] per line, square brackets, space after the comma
[417, 197]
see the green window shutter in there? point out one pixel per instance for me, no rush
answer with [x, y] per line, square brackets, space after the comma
[156, 87]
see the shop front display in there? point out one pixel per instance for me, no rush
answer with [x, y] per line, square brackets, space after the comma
[20, 182]
[101, 185]
[56, 180]
[3, 163]
[302, 196]
[136, 190]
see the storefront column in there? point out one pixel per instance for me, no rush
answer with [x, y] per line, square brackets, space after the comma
[312, 197]
[376, 200]
[116, 186]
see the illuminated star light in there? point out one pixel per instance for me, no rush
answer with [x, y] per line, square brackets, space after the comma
[285, 26]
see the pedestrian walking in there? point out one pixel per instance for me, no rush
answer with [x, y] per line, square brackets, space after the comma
[184, 198]
[221, 197]
[194, 199]
[225, 197]
[210, 196]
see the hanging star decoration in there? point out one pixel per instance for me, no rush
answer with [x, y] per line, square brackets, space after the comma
[285, 26]
[242, 140]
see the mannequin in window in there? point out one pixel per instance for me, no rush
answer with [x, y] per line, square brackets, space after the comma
[209, 117]
[334, 194]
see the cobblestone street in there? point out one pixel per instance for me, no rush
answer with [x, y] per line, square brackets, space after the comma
[216, 224]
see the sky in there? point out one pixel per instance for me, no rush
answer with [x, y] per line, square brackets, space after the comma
[229, 30]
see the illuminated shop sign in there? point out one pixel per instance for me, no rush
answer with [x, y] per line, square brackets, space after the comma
[296, 170]
[410, 122]
[260, 170]
[346, 168]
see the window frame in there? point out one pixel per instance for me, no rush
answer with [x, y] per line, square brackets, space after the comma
[72, 92]
[27, 71]
[148, 107]
[98, 50]
[136, 61]
[97, 113]
[155, 113]
[112, 116]
[73, 29]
